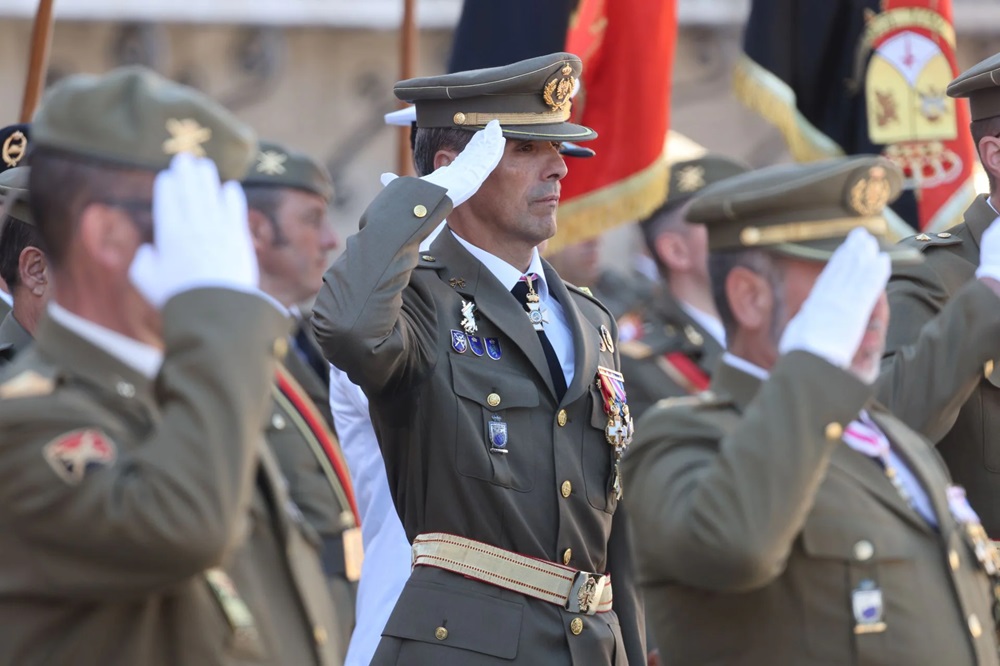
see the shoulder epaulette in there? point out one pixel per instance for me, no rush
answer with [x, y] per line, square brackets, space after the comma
[27, 384]
[427, 261]
[698, 400]
[583, 291]
[924, 241]
[635, 349]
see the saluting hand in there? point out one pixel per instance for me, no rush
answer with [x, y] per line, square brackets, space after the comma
[202, 238]
[463, 177]
[834, 317]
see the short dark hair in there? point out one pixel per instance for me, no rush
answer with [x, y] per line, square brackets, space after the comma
[665, 218]
[721, 264]
[429, 140]
[62, 186]
[15, 237]
[981, 129]
[266, 199]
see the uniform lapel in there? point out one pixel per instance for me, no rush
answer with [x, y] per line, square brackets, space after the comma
[586, 339]
[978, 217]
[492, 300]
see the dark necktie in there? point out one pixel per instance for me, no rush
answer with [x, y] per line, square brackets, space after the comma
[520, 292]
[306, 349]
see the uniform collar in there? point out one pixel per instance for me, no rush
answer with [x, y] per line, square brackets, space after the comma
[710, 324]
[140, 357]
[508, 275]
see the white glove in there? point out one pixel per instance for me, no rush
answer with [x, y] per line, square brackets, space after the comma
[834, 317]
[470, 169]
[989, 252]
[201, 234]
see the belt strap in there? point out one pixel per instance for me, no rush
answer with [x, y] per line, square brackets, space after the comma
[576, 591]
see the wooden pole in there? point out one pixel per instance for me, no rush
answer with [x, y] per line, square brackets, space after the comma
[407, 56]
[38, 62]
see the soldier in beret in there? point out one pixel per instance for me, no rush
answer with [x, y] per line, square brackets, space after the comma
[944, 339]
[679, 338]
[13, 150]
[288, 195]
[787, 518]
[494, 387]
[23, 264]
[144, 520]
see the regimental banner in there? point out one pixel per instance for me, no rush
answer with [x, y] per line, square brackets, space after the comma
[867, 76]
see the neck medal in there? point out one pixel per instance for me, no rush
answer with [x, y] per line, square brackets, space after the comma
[468, 317]
[620, 427]
[536, 315]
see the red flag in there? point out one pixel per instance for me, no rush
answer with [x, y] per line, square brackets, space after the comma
[627, 48]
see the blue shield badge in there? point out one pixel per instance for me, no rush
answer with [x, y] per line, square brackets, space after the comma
[493, 348]
[498, 435]
[458, 341]
[476, 345]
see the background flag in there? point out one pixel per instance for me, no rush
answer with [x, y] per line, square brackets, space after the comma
[866, 76]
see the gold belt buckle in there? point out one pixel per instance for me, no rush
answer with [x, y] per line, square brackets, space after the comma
[585, 594]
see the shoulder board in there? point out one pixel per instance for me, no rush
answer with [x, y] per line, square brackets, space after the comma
[586, 292]
[427, 261]
[698, 400]
[635, 349]
[27, 384]
[925, 241]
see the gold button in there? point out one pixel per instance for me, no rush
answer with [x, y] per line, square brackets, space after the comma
[988, 369]
[561, 418]
[459, 118]
[834, 430]
[125, 389]
[566, 488]
[975, 628]
[278, 422]
[953, 559]
[420, 210]
[576, 626]
[493, 400]
[567, 555]
[428, 258]
[320, 635]
[863, 550]
[944, 234]
[440, 633]
[280, 347]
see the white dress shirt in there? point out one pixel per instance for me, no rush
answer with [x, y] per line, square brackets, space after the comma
[711, 324]
[917, 495]
[139, 356]
[386, 565]
[558, 331]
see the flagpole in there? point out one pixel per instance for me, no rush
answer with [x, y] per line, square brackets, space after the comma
[38, 62]
[407, 54]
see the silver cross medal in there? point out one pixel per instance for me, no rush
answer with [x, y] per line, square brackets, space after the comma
[536, 315]
[468, 318]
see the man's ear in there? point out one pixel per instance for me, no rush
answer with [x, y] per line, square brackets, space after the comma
[261, 229]
[989, 155]
[444, 158]
[750, 298]
[673, 251]
[33, 270]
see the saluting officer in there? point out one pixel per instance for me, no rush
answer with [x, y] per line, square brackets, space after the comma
[144, 521]
[944, 339]
[787, 518]
[494, 388]
[678, 339]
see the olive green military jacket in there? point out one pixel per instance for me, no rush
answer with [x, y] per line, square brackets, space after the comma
[760, 528]
[13, 338]
[944, 332]
[385, 316]
[650, 360]
[122, 497]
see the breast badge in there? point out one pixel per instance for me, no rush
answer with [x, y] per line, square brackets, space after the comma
[468, 317]
[476, 345]
[620, 428]
[458, 341]
[493, 348]
[498, 434]
[866, 602]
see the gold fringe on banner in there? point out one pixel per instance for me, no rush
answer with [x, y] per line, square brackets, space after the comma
[766, 94]
[628, 200]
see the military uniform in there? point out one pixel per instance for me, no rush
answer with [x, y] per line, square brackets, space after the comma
[13, 338]
[938, 374]
[775, 530]
[477, 445]
[145, 520]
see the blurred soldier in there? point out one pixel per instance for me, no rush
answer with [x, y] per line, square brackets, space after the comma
[939, 376]
[680, 338]
[786, 517]
[288, 195]
[13, 149]
[145, 522]
[23, 265]
[494, 388]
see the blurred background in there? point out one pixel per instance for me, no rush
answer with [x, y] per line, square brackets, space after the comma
[318, 74]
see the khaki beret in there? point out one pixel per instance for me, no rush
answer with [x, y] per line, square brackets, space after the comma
[276, 166]
[802, 210]
[13, 145]
[980, 84]
[14, 194]
[531, 99]
[134, 117]
[689, 177]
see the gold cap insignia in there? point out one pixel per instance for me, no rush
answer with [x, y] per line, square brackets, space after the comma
[691, 178]
[558, 90]
[271, 162]
[870, 195]
[14, 148]
[186, 136]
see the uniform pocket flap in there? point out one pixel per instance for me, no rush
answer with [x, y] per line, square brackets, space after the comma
[490, 387]
[859, 540]
[470, 621]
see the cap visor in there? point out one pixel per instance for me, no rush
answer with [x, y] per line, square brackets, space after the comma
[553, 132]
[822, 250]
